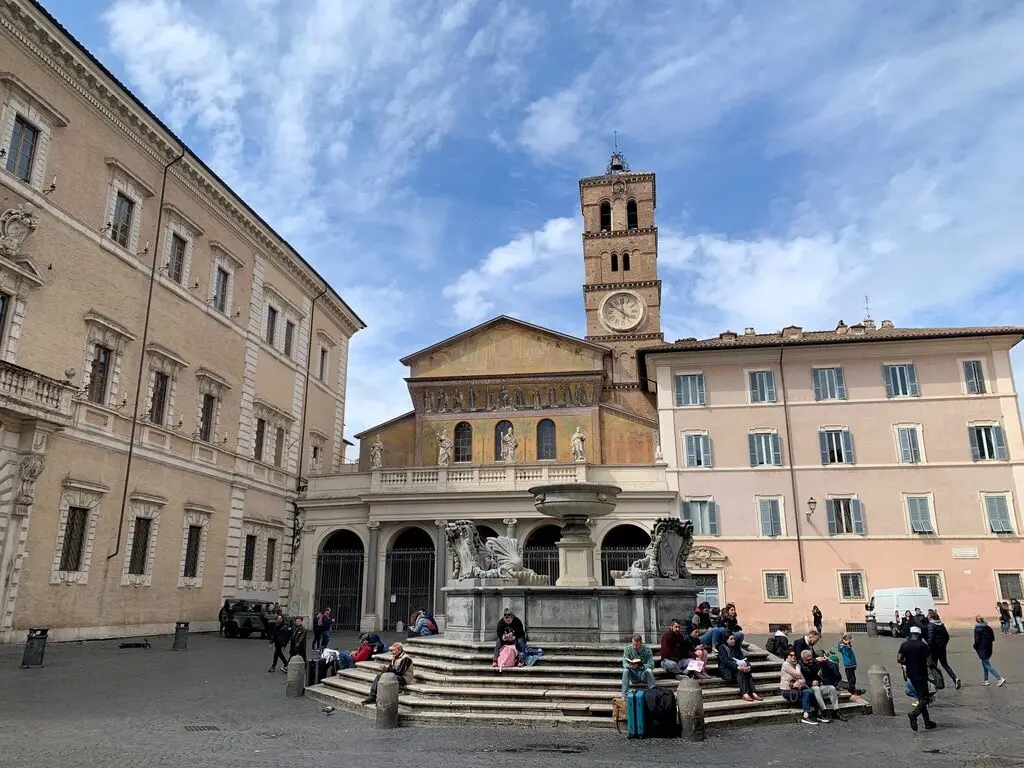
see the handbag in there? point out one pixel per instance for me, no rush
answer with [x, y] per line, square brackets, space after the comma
[935, 678]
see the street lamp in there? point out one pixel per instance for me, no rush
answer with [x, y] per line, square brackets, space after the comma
[812, 504]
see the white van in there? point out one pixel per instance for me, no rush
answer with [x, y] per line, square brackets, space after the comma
[886, 603]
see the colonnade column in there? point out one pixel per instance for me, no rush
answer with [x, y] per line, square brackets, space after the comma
[510, 526]
[371, 610]
[440, 572]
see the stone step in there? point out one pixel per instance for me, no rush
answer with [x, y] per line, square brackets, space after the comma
[611, 668]
[439, 646]
[456, 657]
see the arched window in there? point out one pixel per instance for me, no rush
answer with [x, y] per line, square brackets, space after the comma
[631, 216]
[500, 430]
[606, 216]
[547, 450]
[463, 442]
[625, 262]
[615, 262]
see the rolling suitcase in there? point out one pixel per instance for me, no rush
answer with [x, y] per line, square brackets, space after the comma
[636, 714]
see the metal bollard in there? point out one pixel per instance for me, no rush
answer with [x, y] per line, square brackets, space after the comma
[180, 636]
[690, 705]
[880, 691]
[387, 701]
[871, 626]
[296, 685]
[35, 647]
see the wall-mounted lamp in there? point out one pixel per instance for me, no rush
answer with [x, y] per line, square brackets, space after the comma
[812, 504]
[50, 189]
[178, 427]
[194, 288]
[3, 152]
[110, 226]
[144, 250]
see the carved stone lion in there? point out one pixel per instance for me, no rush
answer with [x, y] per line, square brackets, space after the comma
[500, 558]
[665, 558]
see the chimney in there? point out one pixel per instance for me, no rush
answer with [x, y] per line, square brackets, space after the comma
[841, 329]
[869, 324]
[792, 332]
[727, 336]
[887, 324]
[749, 331]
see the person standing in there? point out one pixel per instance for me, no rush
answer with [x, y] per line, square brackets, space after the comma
[1018, 619]
[317, 629]
[326, 623]
[298, 641]
[280, 634]
[937, 637]
[913, 655]
[1004, 617]
[984, 640]
[816, 618]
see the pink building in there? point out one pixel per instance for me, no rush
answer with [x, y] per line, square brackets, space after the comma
[820, 466]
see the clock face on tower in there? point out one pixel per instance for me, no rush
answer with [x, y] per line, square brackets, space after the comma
[622, 311]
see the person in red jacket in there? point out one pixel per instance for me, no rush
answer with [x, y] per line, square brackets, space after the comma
[676, 649]
[368, 645]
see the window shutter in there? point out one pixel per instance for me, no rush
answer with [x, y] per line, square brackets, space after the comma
[701, 390]
[705, 444]
[823, 444]
[857, 516]
[972, 436]
[906, 449]
[969, 378]
[915, 390]
[679, 391]
[756, 396]
[1000, 441]
[992, 510]
[767, 528]
[776, 449]
[915, 445]
[712, 518]
[1002, 514]
[848, 447]
[816, 374]
[769, 382]
[752, 445]
[691, 450]
[684, 511]
[830, 514]
[840, 383]
[887, 378]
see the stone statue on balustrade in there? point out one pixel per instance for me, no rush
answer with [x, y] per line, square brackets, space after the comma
[377, 454]
[444, 449]
[665, 557]
[509, 446]
[500, 557]
[579, 445]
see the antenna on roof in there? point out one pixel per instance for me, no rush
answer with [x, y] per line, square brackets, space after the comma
[615, 140]
[867, 307]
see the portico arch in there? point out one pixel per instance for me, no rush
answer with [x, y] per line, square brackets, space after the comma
[540, 550]
[621, 545]
[339, 578]
[409, 575]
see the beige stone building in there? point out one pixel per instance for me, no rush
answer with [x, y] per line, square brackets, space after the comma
[171, 370]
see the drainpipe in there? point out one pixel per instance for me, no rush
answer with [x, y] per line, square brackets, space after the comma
[792, 469]
[142, 354]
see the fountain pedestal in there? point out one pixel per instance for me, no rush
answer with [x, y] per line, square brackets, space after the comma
[575, 504]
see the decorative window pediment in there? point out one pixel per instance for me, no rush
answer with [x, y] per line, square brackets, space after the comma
[137, 185]
[210, 383]
[24, 92]
[193, 549]
[278, 297]
[178, 215]
[106, 332]
[325, 337]
[163, 360]
[271, 414]
[220, 249]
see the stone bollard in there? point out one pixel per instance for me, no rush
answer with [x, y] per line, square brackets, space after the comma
[296, 685]
[880, 691]
[387, 701]
[180, 636]
[871, 627]
[35, 647]
[690, 705]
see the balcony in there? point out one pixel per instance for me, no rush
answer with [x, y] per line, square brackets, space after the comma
[31, 395]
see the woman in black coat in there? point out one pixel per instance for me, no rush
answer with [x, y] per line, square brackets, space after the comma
[734, 667]
[984, 639]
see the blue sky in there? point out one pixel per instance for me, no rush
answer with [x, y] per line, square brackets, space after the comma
[424, 155]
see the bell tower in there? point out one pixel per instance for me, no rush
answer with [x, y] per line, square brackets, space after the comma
[621, 289]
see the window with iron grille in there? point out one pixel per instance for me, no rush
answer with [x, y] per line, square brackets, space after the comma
[851, 585]
[776, 586]
[121, 227]
[192, 545]
[1010, 586]
[249, 562]
[140, 546]
[21, 154]
[933, 583]
[268, 570]
[74, 539]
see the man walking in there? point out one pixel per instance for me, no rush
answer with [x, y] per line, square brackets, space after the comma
[280, 634]
[913, 655]
[938, 640]
[298, 641]
[325, 622]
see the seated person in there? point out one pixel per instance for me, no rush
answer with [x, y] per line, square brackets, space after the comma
[676, 649]
[806, 643]
[368, 645]
[734, 667]
[778, 644]
[730, 623]
[400, 665]
[702, 630]
[694, 667]
[422, 624]
[509, 622]
[637, 664]
[793, 687]
[811, 671]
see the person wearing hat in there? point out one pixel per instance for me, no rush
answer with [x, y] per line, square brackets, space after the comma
[509, 623]
[913, 655]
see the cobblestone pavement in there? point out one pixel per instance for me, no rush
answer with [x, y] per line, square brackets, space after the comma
[97, 705]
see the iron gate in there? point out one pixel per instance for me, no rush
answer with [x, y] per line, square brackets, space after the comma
[410, 580]
[543, 560]
[339, 586]
[618, 559]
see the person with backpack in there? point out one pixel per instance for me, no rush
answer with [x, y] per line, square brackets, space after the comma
[422, 624]
[984, 640]
[937, 637]
[510, 631]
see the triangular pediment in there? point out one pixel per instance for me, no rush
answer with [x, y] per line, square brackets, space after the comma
[19, 270]
[506, 346]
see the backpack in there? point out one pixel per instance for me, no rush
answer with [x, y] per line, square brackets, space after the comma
[507, 657]
[777, 646]
[661, 715]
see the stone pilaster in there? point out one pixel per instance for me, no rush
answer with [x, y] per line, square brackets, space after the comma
[440, 572]
[510, 526]
[371, 610]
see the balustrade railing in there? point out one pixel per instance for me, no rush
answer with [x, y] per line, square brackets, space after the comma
[506, 477]
[32, 394]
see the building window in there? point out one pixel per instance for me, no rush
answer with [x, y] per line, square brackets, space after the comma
[5, 304]
[919, 511]
[901, 380]
[193, 543]
[997, 509]
[703, 513]
[851, 586]
[207, 418]
[325, 358]
[271, 332]
[140, 546]
[771, 517]
[21, 154]
[632, 220]
[463, 441]
[698, 449]
[75, 531]
[1010, 586]
[261, 436]
[932, 581]
[222, 279]
[289, 337]
[249, 562]
[625, 262]
[908, 444]
[762, 387]
[765, 449]
[829, 383]
[99, 374]
[176, 258]
[776, 585]
[268, 570]
[547, 450]
[974, 377]
[987, 442]
[690, 390]
[279, 447]
[501, 429]
[844, 517]
[606, 216]
[121, 226]
[158, 400]
[836, 446]
[615, 262]
[316, 458]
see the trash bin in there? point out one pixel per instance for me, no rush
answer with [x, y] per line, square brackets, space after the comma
[180, 636]
[35, 646]
[871, 626]
[316, 671]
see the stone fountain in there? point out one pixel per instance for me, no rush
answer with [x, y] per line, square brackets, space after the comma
[489, 575]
